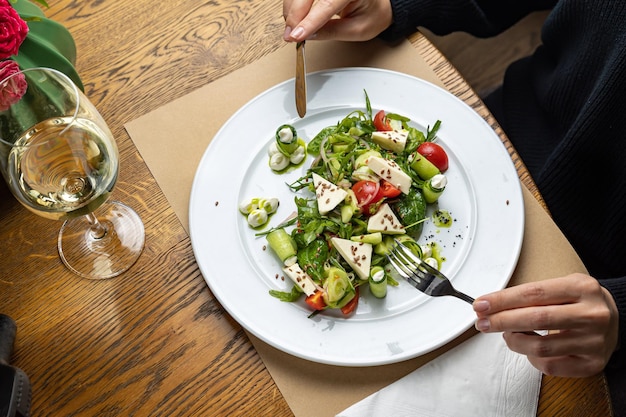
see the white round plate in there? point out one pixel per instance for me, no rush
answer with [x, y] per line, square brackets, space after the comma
[481, 248]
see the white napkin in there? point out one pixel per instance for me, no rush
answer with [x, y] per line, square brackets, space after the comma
[480, 377]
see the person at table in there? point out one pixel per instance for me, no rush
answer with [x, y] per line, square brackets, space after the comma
[563, 109]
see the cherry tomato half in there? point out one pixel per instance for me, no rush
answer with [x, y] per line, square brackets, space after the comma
[367, 194]
[370, 193]
[316, 300]
[388, 190]
[381, 123]
[435, 154]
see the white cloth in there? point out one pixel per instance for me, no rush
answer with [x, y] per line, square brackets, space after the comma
[480, 377]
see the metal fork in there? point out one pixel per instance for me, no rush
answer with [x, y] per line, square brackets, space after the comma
[421, 275]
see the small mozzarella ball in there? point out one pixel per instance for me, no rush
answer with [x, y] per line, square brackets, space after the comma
[379, 276]
[439, 182]
[272, 149]
[285, 135]
[278, 162]
[270, 205]
[427, 251]
[298, 155]
[257, 217]
[246, 206]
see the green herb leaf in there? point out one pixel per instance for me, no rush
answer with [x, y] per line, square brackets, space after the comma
[312, 259]
[432, 133]
[411, 210]
[290, 297]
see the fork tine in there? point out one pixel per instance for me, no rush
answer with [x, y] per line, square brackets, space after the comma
[399, 265]
[406, 252]
[421, 275]
[409, 270]
[409, 259]
[404, 271]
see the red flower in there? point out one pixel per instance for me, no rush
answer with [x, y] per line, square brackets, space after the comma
[11, 91]
[13, 30]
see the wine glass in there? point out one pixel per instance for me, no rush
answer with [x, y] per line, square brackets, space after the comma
[61, 162]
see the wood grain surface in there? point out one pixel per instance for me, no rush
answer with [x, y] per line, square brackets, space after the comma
[154, 341]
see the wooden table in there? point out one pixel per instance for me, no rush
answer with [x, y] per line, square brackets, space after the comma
[154, 341]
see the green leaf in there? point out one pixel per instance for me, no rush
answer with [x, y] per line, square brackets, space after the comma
[314, 145]
[411, 210]
[290, 296]
[313, 257]
[42, 2]
[432, 133]
[368, 106]
[48, 43]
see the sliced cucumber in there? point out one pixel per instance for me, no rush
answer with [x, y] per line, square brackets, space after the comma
[282, 244]
[372, 238]
[423, 167]
[378, 282]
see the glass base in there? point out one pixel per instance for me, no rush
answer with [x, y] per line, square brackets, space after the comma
[108, 256]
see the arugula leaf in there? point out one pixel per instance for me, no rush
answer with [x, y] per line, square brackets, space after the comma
[310, 223]
[289, 297]
[368, 105]
[415, 138]
[432, 133]
[314, 145]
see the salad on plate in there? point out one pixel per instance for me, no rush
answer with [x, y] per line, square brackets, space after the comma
[370, 182]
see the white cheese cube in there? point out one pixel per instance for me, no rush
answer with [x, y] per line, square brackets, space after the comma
[392, 140]
[391, 172]
[385, 221]
[357, 254]
[328, 195]
[300, 278]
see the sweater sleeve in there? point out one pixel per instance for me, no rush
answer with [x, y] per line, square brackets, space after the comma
[617, 288]
[481, 18]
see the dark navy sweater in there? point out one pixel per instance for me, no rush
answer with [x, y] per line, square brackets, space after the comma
[564, 110]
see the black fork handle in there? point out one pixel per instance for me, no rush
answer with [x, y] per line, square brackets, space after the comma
[464, 297]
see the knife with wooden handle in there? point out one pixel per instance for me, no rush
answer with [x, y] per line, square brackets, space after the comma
[300, 79]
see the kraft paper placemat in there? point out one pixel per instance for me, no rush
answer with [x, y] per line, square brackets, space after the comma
[173, 138]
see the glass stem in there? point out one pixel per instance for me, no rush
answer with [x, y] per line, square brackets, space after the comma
[96, 229]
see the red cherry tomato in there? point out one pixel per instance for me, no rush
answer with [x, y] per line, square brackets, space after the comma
[316, 301]
[381, 123]
[369, 193]
[366, 193]
[351, 306]
[435, 154]
[387, 190]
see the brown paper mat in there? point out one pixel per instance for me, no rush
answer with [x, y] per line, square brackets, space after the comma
[173, 138]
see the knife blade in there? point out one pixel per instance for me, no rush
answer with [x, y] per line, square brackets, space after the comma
[300, 79]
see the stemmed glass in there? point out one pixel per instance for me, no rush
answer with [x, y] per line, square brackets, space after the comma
[61, 162]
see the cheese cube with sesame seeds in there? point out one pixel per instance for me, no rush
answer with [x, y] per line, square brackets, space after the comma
[300, 278]
[391, 172]
[328, 195]
[385, 221]
[357, 254]
[392, 140]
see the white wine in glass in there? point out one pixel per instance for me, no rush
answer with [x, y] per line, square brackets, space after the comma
[61, 162]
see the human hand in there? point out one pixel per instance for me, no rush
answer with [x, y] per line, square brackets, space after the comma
[580, 314]
[344, 20]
